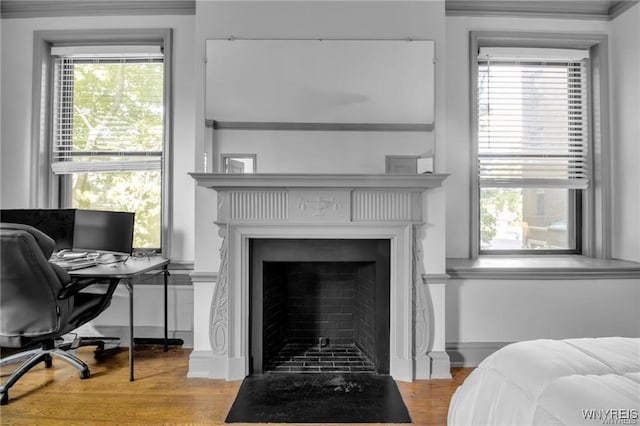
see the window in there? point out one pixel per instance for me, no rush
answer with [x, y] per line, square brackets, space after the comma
[108, 122]
[532, 149]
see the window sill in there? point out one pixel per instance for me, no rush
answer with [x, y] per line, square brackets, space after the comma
[565, 267]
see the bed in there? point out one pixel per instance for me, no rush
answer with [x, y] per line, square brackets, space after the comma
[553, 382]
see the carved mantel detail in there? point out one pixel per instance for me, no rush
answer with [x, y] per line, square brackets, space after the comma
[219, 330]
[421, 308]
[319, 206]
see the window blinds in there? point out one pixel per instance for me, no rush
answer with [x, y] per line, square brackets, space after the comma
[108, 112]
[532, 119]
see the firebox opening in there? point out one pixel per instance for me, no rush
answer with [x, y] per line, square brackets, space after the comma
[325, 308]
[319, 316]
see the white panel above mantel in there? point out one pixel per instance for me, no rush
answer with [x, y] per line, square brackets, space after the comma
[321, 81]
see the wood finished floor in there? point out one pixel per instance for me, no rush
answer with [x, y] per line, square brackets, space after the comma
[162, 394]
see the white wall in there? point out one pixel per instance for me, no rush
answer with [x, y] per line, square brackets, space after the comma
[302, 20]
[458, 110]
[513, 310]
[476, 310]
[148, 314]
[321, 152]
[625, 141]
[315, 19]
[510, 310]
[328, 81]
[17, 62]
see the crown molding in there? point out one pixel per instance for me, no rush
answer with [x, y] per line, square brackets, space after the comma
[605, 10]
[589, 10]
[619, 7]
[10, 9]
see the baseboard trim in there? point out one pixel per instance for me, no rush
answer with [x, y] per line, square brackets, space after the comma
[470, 354]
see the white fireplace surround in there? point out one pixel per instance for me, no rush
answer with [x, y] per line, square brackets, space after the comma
[299, 206]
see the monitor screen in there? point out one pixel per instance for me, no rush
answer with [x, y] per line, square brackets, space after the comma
[56, 223]
[103, 231]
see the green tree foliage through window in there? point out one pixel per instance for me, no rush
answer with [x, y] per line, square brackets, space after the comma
[118, 106]
[114, 140]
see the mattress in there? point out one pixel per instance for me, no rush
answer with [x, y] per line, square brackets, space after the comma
[553, 382]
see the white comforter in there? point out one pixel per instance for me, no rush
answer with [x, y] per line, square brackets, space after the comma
[553, 382]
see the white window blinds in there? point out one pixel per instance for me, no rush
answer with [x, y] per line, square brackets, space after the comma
[108, 110]
[532, 118]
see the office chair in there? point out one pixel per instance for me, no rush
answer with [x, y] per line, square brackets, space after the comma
[39, 303]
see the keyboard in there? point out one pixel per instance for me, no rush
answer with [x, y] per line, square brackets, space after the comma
[71, 260]
[73, 264]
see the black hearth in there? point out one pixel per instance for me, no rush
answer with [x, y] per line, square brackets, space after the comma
[319, 305]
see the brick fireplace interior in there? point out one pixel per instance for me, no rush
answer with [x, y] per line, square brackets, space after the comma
[319, 305]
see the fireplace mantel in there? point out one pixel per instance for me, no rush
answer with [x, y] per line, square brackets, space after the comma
[317, 198]
[323, 206]
[221, 181]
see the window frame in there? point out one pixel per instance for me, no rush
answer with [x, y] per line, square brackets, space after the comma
[594, 202]
[45, 187]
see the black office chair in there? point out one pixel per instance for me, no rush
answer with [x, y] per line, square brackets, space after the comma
[39, 303]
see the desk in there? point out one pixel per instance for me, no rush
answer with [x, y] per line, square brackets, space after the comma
[125, 273]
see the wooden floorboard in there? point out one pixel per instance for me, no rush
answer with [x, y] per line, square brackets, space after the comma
[162, 394]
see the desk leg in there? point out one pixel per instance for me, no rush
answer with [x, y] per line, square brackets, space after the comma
[165, 273]
[129, 286]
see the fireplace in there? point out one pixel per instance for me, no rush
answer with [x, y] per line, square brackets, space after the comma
[312, 300]
[314, 211]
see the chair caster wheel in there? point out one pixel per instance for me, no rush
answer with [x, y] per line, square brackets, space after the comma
[48, 361]
[84, 374]
[4, 398]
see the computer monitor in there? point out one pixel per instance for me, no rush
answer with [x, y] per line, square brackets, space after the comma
[56, 223]
[104, 231]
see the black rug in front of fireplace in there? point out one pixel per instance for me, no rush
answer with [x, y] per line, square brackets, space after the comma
[318, 398]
